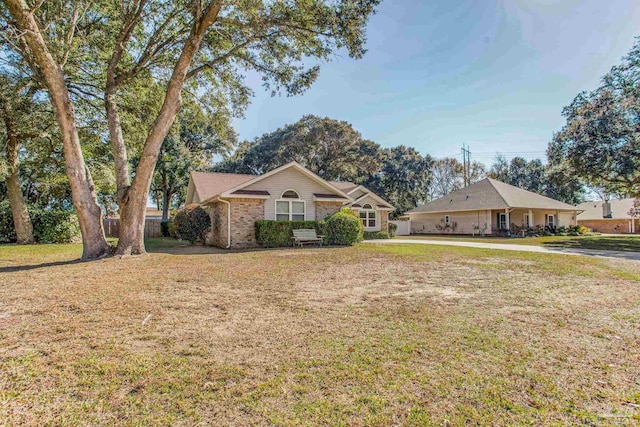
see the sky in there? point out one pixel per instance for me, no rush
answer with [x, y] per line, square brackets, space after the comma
[493, 74]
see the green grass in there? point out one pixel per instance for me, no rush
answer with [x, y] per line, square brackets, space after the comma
[411, 335]
[617, 243]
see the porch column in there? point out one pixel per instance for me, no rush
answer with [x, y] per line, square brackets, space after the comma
[556, 223]
[508, 219]
[531, 221]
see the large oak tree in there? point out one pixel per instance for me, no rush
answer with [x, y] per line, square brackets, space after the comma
[208, 46]
[600, 142]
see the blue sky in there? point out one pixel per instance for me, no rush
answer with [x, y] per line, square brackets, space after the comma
[493, 74]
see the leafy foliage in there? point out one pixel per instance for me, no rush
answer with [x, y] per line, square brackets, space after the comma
[275, 234]
[547, 180]
[403, 179]
[344, 228]
[600, 142]
[448, 176]
[634, 212]
[336, 152]
[49, 225]
[373, 235]
[341, 228]
[330, 148]
[192, 224]
[392, 229]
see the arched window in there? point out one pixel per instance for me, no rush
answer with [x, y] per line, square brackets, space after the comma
[290, 194]
[290, 208]
[368, 216]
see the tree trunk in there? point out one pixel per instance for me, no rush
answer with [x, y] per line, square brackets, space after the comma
[166, 198]
[21, 219]
[82, 188]
[132, 211]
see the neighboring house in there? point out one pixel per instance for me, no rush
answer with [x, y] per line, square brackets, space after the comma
[489, 207]
[290, 192]
[608, 217]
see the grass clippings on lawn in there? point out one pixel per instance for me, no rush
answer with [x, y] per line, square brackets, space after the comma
[371, 335]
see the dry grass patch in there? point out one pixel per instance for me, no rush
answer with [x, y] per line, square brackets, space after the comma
[372, 335]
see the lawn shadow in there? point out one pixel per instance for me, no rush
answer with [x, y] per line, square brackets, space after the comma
[619, 244]
[212, 250]
[15, 268]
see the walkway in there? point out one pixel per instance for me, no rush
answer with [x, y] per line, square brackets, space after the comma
[633, 256]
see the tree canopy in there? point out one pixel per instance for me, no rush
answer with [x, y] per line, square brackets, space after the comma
[131, 62]
[600, 142]
[337, 152]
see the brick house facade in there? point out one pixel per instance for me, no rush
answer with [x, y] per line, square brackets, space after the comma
[235, 202]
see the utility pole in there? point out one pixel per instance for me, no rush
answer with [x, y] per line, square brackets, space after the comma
[466, 162]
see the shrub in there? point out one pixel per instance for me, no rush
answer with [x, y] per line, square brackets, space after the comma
[373, 235]
[165, 226]
[55, 226]
[192, 224]
[392, 229]
[275, 234]
[49, 225]
[344, 228]
[577, 230]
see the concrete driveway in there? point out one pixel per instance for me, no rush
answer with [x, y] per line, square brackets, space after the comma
[633, 256]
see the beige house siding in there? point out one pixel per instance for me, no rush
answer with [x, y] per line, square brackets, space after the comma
[426, 223]
[325, 209]
[289, 179]
[485, 219]
[379, 214]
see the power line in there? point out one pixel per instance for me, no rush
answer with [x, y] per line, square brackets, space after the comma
[466, 160]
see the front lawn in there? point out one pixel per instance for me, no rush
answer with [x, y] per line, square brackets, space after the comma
[370, 335]
[614, 243]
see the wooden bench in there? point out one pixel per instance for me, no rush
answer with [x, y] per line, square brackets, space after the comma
[303, 236]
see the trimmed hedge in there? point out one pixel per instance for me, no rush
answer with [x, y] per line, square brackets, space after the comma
[49, 226]
[373, 235]
[276, 234]
[342, 228]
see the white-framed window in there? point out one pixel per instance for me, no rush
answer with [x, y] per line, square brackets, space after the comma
[527, 220]
[447, 219]
[502, 221]
[368, 216]
[551, 220]
[290, 194]
[290, 208]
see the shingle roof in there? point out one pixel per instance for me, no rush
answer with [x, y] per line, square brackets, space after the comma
[593, 210]
[343, 185]
[209, 184]
[491, 194]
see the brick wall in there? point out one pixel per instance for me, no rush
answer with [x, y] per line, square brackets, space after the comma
[218, 234]
[244, 214]
[384, 221]
[614, 226]
[325, 209]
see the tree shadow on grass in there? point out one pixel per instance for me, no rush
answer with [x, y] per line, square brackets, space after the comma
[620, 244]
[15, 268]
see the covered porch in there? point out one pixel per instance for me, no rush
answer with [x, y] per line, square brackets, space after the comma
[517, 219]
